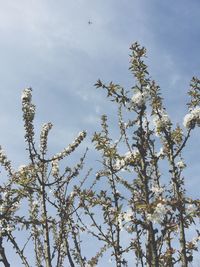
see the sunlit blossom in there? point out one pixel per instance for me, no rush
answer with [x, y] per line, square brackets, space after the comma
[157, 190]
[139, 99]
[55, 167]
[192, 118]
[181, 164]
[161, 121]
[159, 213]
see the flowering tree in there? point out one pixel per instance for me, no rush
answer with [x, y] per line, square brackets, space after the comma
[152, 211]
[136, 210]
[48, 195]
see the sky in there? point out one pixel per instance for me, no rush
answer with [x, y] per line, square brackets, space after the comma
[49, 46]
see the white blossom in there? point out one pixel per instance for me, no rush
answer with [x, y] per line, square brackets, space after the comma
[120, 221]
[28, 114]
[192, 118]
[43, 136]
[128, 215]
[196, 112]
[181, 164]
[157, 190]
[26, 95]
[139, 99]
[161, 121]
[158, 215]
[188, 120]
[68, 150]
[130, 155]
[4, 160]
[10, 228]
[120, 163]
[55, 168]
[22, 168]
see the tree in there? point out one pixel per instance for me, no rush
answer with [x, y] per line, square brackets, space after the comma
[42, 188]
[130, 209]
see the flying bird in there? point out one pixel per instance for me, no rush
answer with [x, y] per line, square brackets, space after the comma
[89, 22]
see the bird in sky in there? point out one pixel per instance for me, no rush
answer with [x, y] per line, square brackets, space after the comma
[89, 22]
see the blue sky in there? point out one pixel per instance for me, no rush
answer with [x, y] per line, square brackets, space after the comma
[50, 46]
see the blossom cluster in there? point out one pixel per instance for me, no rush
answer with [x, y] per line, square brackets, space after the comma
[157, 190]
[6, 228]
[28, 112]
[26, 174]
[159, 213]
[55, 168]
[22, 169]
[161, 121]
[4, 160]
[129, 157]
[139, 99]
[181, 164]
[43, 136]
[68, 150]
[7, 205]
[192, 118]
[26, 95]
[122, 218]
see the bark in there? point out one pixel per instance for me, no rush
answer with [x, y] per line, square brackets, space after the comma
[3, 257]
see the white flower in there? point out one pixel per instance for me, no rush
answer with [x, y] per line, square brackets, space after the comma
[130, 155]
[158, 215]
[161, 121]
[192, 118]
[4, 160]
[196, 112]
[26, 95]
[22, 168]
[68, 150]
[43, 136]
[9, 228]
[120, 221]
[128, 215]
[120, 163]
[139, 99]
[55, 168]
[157, 190]
[181, 164]
[188, 120]
[161, 208]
